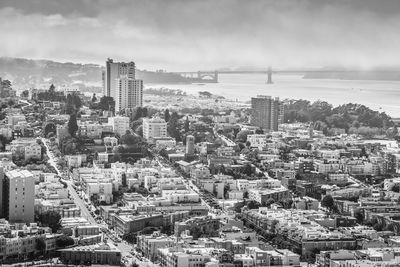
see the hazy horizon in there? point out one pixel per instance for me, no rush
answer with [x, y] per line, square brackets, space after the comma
[204, 35]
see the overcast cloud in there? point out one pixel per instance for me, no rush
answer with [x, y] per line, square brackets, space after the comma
[204, 34]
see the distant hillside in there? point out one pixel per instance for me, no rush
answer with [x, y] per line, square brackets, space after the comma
[26, 73]
[378, 74]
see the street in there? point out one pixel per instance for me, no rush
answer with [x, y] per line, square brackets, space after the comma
[85, 213]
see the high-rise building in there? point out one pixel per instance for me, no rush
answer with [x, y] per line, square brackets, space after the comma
[129, 93]
[18, 196]
[267, 112]
[119, 82]
[190, 145]
[154, 128]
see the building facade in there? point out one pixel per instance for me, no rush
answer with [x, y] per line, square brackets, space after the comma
[120, 84]
[267, 112]
[18, 196]
[154, 128]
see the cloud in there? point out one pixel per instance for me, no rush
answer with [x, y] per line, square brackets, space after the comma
[191, 35]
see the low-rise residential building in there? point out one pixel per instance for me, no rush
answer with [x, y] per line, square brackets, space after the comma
[104, 254]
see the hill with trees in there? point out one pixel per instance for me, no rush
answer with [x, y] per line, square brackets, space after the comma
[353, 118]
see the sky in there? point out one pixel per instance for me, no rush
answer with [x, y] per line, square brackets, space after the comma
[185, 35]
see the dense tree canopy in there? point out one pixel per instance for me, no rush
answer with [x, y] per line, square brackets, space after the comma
[73, 104]
[353, 118]
[72, 125]
[50, 219]
[167, 116]
[107, 103]
[328, 202]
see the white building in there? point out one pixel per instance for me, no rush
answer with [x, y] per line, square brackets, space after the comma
[120, 124]
[115, 70]
[154, 128]
[257, 140]
[103, 191]
[33, 151]
[75, 161]
[167, 142]
[120, 83]
[129, 94]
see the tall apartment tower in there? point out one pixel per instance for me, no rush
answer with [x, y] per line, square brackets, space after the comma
[267, 112]
[18, 196]
[119, 82]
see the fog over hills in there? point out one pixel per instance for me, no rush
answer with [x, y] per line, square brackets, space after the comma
[29, 73]
[26, 73]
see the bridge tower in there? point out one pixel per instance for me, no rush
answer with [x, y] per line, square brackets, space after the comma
[269, 75]
[216, 76]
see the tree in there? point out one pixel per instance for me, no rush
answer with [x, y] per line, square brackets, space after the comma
[173, 126]
[328, 202]
[72, 125]
[40, 244]
[3, 142]
[25, 93]
[139, 130]
[144, 112]
[195, 232]
[226, 191]
[238, 206]
[138, 113]
[253, 205]
[242, 136]
[396, 188]
[94, 98]
[6, 84]
[269, 202]
[107, 103]
[52, 88]
[64, 241]
[73, 104]
[50, 128]
[359, 216]
[123, 179]
[205, 94]
[259, 131]
[11, 103]
[248, 169]
[128, 139]
[187, 124]
[130, 238]
[51, 219]
[167, 116]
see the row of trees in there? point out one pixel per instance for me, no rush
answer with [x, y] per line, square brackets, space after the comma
[51, 95]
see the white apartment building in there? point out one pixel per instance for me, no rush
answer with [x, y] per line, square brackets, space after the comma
[257, 140]
[33, 151]
[115, 70]
[154, 128]
[129, 93]
[120, 124]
